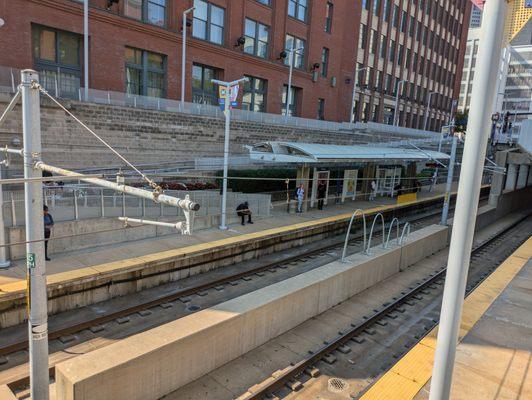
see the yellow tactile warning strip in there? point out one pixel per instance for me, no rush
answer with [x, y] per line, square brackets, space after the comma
[408, 376]
[145, 260]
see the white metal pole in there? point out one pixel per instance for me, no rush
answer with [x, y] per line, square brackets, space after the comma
[396, 113]
[427, 111]
[289, 92]
[227, 112]
[184, 54]
[352, 114]
[86, 47]
[4, 262]
[36, 268]
[484, 86]
[449, 184]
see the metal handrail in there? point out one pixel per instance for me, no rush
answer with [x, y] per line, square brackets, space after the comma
[396, 220]
[367, 251]
[357, 211]
[406, 228]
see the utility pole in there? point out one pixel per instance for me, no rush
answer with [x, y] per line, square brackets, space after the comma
[449, 184]
[484, 88]
[184, 54]
[427, 111]
[292, 52]
[352, 114]
[36, 267]
[86, 47]
[227, 111]
[396, 113]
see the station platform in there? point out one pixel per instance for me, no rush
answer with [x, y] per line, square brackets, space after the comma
[103, 254]
[494, 355]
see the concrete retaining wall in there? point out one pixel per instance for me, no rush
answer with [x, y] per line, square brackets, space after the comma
[84, 241]
[85, 286]
[154, 363]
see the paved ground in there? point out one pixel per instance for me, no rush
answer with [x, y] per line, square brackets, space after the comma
[87, 257]
[494, 361]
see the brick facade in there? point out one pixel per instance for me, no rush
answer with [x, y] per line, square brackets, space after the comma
[111, 31]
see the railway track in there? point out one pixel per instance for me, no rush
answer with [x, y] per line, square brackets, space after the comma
[294, 380]
[61, 337]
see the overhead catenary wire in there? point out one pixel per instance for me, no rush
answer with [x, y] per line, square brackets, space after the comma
[150, 182]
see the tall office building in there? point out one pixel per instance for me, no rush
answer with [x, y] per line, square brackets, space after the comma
[476, 18]
[135, 48]
[416, 48]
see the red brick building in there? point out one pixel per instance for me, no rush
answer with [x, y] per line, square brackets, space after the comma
[135, 47]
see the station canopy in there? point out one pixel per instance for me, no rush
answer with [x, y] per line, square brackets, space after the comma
[293, 152]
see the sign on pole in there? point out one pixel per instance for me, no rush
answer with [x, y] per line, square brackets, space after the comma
[222, 95]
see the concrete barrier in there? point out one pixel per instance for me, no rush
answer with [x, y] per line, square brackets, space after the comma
[154, 363]
[6, 393]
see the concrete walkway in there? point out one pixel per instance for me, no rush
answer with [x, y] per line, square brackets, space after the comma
[108, 253]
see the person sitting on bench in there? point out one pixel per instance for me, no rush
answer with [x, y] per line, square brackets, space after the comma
[242, 210]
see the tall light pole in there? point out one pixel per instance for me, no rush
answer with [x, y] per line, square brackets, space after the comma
[427, 111]
[397, 94]
[484, 88]
[86, 47]
[291, 52]
[357, 71]
[227, 111]
[184, 54]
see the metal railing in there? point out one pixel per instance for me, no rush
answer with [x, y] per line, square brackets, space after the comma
[78, 202]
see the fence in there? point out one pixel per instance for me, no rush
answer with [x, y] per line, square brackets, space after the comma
[60, 84]
[68, 203]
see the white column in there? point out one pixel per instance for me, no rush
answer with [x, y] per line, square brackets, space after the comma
[511, 177]
[484, 88]
[522, 176]
[4, 262]
[33, 200]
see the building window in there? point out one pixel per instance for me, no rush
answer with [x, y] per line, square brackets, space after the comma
[208, 22]
[376, 6]
[362, 37]
[145, 73]
[298, 45]
[324, 61]
[329, 17]
[383, 47]
[265, 2]
[374, 41]
[391, 56]
[292, 109]
[256, 36]
[151, 11]
[298, 9]
[203, 90]
[321, 109]
[254, 98]
[366, 4]
[386, 11]
[57, 56]
[403, 21]
[395, 18]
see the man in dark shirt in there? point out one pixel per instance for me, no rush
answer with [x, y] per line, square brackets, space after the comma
[48, 223]
[242, 210]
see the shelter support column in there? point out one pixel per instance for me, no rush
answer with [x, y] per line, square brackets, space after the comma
[511, 177]
[497, 182]
[522, 176]
[368, 174]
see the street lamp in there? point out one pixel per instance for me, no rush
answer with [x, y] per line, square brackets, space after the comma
[227, 111]
[427, 110]
[183, 53]
[357, 71]
[398, 91]
[291, 54]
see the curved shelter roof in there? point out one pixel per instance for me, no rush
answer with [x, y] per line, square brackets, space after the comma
[293, 152]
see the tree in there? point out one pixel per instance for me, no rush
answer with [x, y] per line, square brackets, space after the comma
[460, 121]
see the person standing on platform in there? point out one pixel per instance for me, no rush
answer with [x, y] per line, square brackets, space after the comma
[48, 224]
[373, 193]
[300, 195]
[322, 189]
